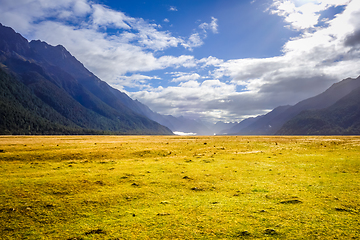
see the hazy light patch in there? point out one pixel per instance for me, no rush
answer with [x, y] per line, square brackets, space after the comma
[184, 134]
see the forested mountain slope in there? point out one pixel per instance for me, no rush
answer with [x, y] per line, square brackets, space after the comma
[46, 86]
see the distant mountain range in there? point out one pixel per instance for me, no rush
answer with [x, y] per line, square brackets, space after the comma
[333, 112]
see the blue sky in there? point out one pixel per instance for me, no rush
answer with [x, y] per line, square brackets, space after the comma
[203, 59]
[251, 31]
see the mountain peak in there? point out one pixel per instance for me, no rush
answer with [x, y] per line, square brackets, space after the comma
[58, 56]
[57, 52]
[10, 42]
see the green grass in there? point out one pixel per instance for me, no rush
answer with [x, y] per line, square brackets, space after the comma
[171, 187]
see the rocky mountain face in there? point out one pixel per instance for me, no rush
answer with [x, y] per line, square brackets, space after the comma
[334, 107]
[46, 90]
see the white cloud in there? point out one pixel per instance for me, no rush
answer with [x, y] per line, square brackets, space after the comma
[22, 13]
[194, 41]
[186, 61]
[134, 81]
[105, 17]
[81, 8]
[184, 76]
[173, 9]
[303, 14]
[213, 26]
[210, 61]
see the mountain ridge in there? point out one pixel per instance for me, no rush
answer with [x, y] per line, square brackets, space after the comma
[57, 79]
[341, 118]
[272, 122]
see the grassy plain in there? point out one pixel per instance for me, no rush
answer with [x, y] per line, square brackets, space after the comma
[172, 187]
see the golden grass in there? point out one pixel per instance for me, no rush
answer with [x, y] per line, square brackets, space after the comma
[171, 187]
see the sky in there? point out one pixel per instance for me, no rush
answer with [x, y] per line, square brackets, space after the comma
[212, 60]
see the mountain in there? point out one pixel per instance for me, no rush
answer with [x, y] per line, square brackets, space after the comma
[58, 56]
[241, 125]
[261, 125]
[46, 90]
[341, 118]
[273, 121]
